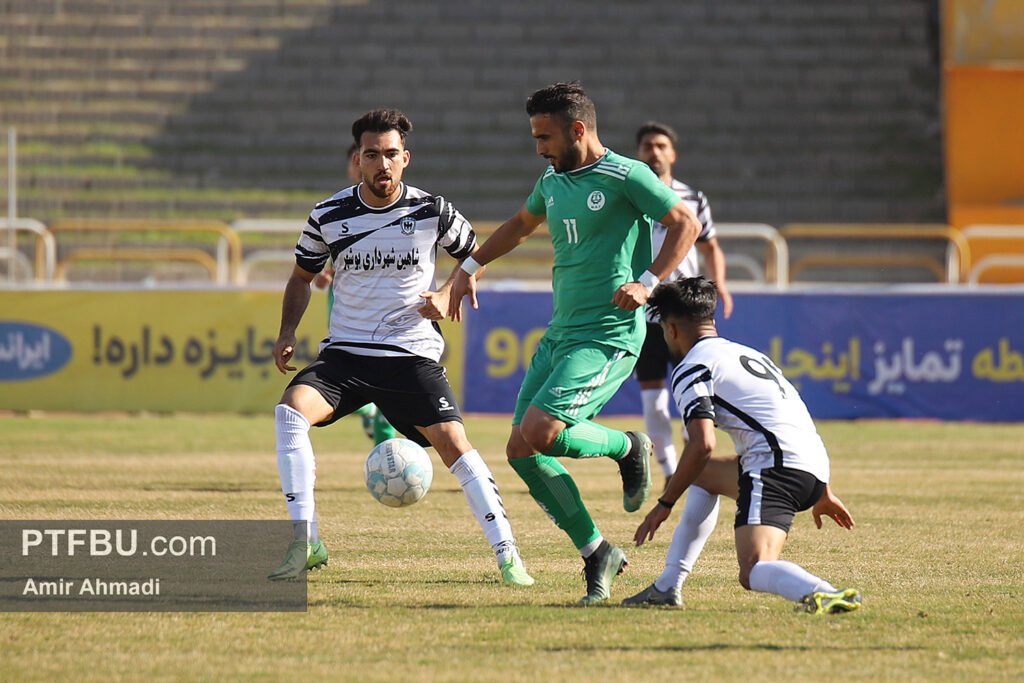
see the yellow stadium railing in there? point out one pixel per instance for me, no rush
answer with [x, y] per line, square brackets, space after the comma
[839, 261]
[161, 254]
[954, 270]
[45, 257]
[226, 245]
[999, 252]
[776, 254]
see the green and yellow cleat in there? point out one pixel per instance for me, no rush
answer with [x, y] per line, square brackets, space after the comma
[301, 556]
[513, 573]
[845, 600]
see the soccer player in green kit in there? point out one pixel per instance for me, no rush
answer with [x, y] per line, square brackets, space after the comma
[598, 205]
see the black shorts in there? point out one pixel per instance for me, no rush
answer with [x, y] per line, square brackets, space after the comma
[411, 391]
[772, 496]
[654, 360]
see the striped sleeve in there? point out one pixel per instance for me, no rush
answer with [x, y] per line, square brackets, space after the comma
[692, 390]
[311, 251]
[454, 232]
[704, 216]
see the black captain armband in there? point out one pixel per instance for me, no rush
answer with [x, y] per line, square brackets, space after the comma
[665, 504]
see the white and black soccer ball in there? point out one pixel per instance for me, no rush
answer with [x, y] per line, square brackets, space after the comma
[398, 472]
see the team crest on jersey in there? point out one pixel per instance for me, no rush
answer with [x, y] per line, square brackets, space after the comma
[595, 202]
[408, 226]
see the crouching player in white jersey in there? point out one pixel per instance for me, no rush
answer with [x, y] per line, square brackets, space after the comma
[782, 464]
[384, 345]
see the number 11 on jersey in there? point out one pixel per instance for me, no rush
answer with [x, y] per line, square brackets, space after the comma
[570, 229]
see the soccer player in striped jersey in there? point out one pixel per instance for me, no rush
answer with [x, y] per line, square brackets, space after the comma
[656, 146]
[384, 344]
[782, 463]
[375, 425]
[597, 204]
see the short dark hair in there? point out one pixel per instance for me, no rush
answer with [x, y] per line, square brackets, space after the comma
[567, 101]
[381, 121]
[656, 128]
[691, 298]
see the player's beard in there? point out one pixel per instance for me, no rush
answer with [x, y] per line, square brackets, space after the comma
[569, 160]
[658, 167]
[382, 192]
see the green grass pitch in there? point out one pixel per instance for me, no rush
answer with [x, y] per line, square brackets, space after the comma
[413, 594]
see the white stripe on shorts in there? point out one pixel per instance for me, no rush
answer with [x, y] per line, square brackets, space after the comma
[756, 495]
[583, 395]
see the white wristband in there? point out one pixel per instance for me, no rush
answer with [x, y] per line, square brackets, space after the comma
[649, 280]
[470, 265]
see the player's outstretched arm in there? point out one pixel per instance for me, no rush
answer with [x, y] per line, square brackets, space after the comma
[683, 229]
[829, 505]
[714, 260]
[507, 237]
[699, 445]
[436, 305]
[296, 298]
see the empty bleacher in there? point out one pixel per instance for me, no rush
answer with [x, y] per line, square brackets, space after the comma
[796, 110]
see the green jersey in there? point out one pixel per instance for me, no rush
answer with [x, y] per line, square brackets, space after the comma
[600, 221]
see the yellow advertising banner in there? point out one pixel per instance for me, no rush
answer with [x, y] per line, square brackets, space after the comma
[160, 350]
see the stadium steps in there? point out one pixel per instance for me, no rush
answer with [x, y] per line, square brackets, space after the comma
[797, 110]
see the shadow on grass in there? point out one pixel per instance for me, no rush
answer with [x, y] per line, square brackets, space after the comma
[711, 647]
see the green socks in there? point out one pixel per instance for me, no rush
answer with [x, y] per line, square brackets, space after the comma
[556, 493]
[382, 429]
[589, 440]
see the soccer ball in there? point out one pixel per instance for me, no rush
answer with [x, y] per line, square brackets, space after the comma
[398, 472]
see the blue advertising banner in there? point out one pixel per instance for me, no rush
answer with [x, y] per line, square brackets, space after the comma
[943, 355]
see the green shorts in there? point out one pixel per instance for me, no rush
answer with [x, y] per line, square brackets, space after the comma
[572, 380]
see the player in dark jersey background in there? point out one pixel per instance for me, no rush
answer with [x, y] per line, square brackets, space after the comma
[384, 345]
[598, 206]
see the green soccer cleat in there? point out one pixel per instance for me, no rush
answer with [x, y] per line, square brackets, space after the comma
[652, 596]
[845, 600]
[599, 569]
[301, 556]
[635, 470]
[513, 573]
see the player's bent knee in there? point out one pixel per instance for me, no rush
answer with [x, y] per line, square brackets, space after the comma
[517, 447]
[514, 451]
[539, 436]
[308, 402]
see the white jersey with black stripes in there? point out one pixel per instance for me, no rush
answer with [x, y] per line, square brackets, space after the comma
[383, 258]
[747, 396]
[697, 202]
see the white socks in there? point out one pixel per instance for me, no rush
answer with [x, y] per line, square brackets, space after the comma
[789, 580]
[589, 549]
[700, 514]
[477, 483]
[296, 466]
[658, 423]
